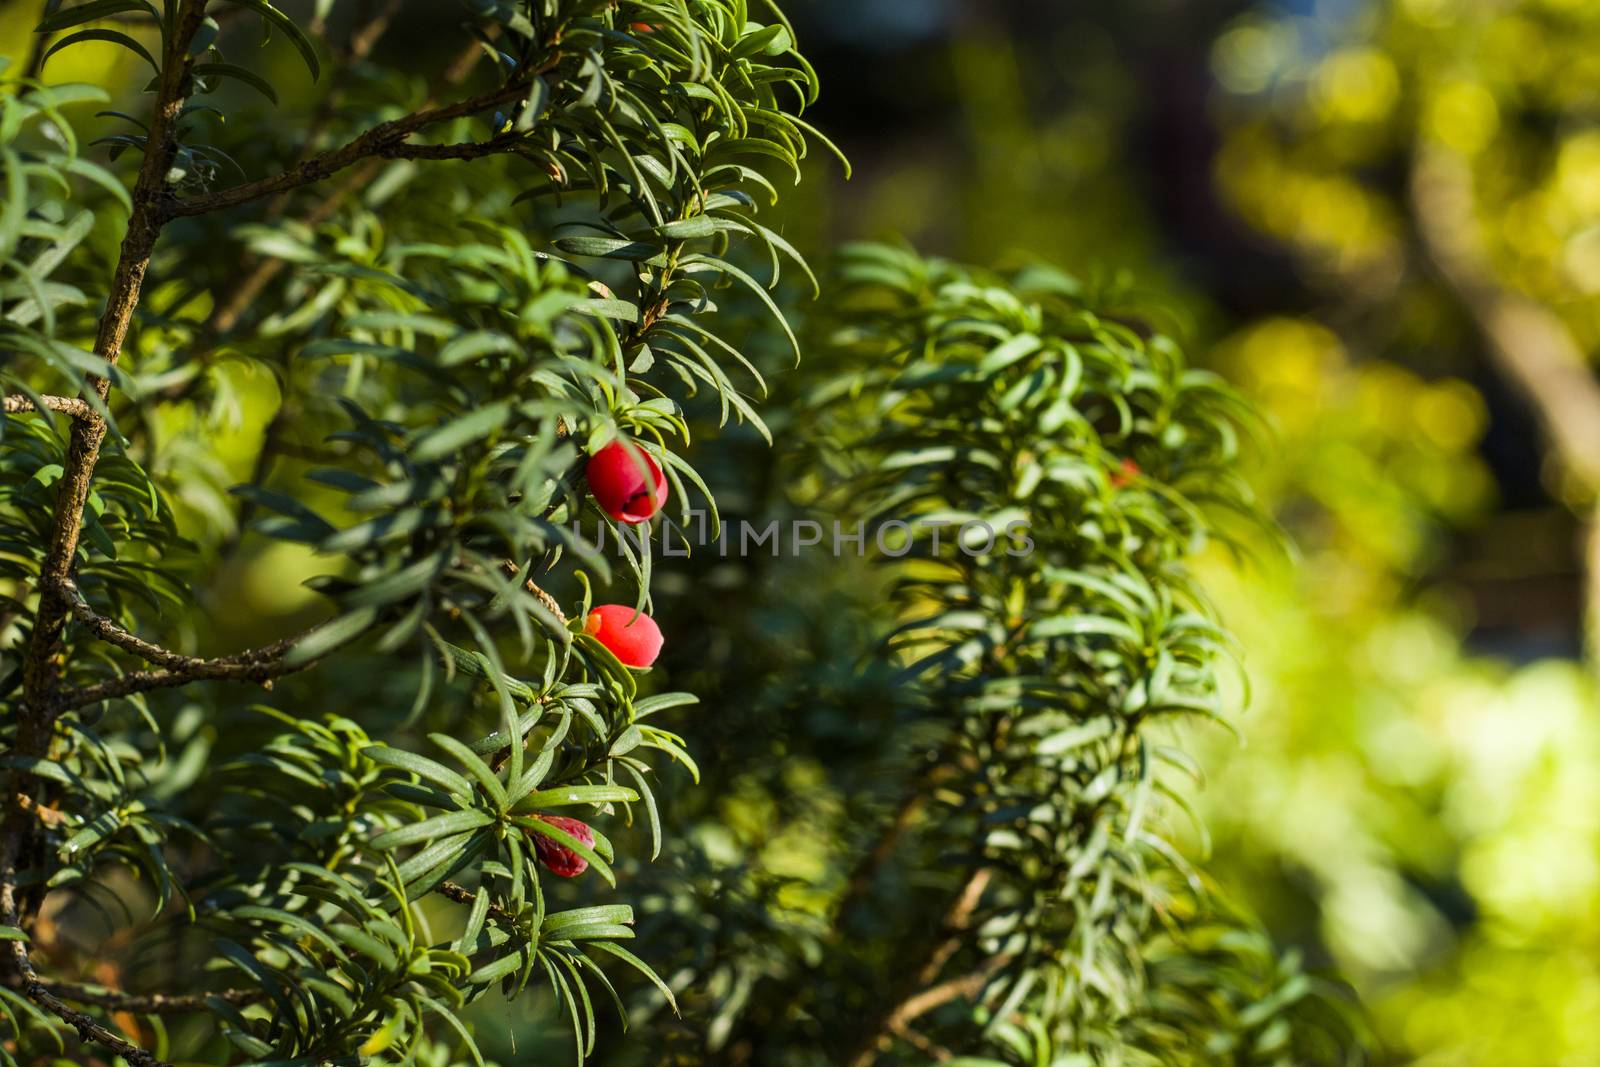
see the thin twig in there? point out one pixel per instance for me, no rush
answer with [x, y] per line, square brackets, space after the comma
[261, 664]
[66, 405]
[374, 142]
[463, 150]
[89, 1030]
[373, 25]
[462, 895]
[108, 631]
[150, 1003]
[956, 923]
[968, 986]
[233, 306]
[549, 602]
[145, 681]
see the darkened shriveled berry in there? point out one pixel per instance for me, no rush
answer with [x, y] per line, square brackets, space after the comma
[558, 859]
[626, 482]
[632, 636]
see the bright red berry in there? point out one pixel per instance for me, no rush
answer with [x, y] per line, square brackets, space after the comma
[558, 859]
[632, 636]
[641, 27]
[626, 482]
[1125, 474]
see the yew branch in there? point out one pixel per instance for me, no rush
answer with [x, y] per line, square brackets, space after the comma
[919, 998]
[381, 139]
[88, 1029]
[149, 1003]
[66, 405]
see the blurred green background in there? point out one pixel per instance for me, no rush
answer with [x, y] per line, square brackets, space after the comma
[1413, 798]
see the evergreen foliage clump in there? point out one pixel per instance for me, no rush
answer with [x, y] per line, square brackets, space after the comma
[446, 349]
[376, 342]
[1075, 464]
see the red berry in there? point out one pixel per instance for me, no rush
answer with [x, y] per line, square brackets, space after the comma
[626, 482]
[1125, 474]
[632, 636]
[641, 27]
[560, 860]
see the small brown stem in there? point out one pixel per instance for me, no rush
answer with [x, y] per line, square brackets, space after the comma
[464, 150]
[968, 985]
[89, 1030]
[373, 143]
[203, 671]
[252, 665]
[150, 1003]
[66, 405]
[549, 602]
[956, 923]
[462, 895]
[108, 631]
[232, 306]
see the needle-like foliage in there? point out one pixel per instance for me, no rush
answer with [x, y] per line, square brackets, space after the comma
[457, 291]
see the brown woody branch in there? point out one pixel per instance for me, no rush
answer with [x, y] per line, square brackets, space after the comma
[225, 669]
[42, 661]
[376, 142]
[233, 306]
[89, 1030]
[66, 405]
[144, 681]
[152, 1003]
[83, 449]
[966, 987]
[252, 665]
[464, 150]
[916, 1001]
[108, 631]
[549, 602]
[462, 895]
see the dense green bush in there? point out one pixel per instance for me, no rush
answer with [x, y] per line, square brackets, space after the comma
[952, 824]
[441, 377]
[381, 367]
